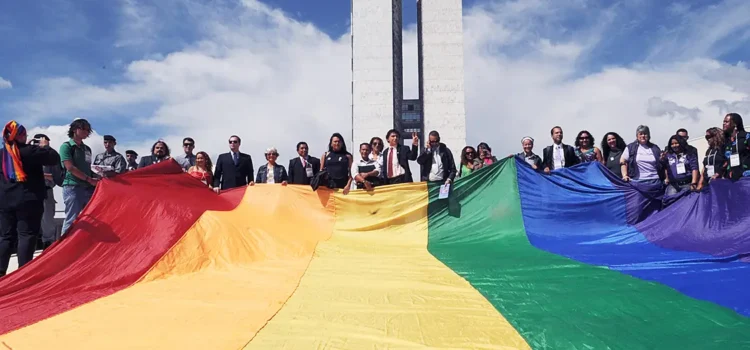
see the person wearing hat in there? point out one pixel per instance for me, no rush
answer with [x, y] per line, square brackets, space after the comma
[272, 172]
[112, 161]
[23, 190]
[131, 157]
[53, 176]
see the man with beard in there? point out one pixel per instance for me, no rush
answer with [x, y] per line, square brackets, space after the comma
[558, 155]
[159, 153]
[736, 147]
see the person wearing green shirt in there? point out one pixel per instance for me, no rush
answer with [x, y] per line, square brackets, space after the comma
[78, 185]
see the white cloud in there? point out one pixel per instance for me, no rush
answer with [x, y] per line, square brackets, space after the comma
[5, 84]
[274, 81]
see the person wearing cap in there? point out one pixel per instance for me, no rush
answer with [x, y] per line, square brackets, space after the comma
[131, 157]
[53, 176]
[533, 160]
[272, 172]
[22, 190]
[114, 161]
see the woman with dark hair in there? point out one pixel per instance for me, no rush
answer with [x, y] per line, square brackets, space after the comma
[337, 163]
[376, 151]
[736, 147]
[23, 191]
[202, 170]
[612, 147]
[485, 157]
[468, 156]
[681, 167]
[585, 149]
[715, 163]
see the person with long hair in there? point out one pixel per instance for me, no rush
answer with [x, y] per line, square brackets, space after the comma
[203, 169]
[485, 157]
[337, 163]
[736, 147]
[159, 152]
[612, 147]
[467, 166]
[715, 162]
[680, 167]
[586, 151]
[23, 191]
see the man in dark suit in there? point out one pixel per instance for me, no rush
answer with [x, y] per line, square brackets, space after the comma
[396, 157]
[159, 153]
[303, 168]
[233, 169]
[558, 155]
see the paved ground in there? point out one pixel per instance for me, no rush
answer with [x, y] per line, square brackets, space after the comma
[14, 261]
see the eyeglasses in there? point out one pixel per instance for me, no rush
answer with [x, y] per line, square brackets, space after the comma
[233, 141]
[376, 143]
[708, 137]
[188, 145]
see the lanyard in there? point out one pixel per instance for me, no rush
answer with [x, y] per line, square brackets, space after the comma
[712, 157]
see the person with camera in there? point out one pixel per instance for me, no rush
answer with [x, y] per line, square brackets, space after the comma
[22, 192]
[53, 176]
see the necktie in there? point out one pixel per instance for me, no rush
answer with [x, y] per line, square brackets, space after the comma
[304, 163]
[390, 163]
[236, 158]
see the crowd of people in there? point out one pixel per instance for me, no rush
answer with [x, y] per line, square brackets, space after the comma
[31, 170]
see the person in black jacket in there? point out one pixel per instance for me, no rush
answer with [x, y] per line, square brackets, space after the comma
[396, 157]
[430, 169]
[22, 193]
[233, 169]
[559, 155]
[303, 168]
[159, 153]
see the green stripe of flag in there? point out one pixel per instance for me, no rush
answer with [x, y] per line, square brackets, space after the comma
[555, 302]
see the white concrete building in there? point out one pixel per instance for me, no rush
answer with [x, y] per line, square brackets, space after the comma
[441, 70]
[377, 71]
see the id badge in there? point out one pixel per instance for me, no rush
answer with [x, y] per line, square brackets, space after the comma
[309, 171]
[734, 160]
[680, 168]
[710, 170]
[88, 157]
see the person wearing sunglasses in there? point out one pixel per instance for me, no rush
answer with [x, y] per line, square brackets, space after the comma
[234, 168]
[468, 156]
[272, 172]
[187, 159]
[715, 162]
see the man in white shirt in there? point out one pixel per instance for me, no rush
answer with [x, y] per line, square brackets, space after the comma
[365, 172]
[396, 158]
[558, 155]
[436, 162]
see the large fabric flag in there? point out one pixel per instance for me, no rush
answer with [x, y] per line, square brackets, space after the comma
[511, 260]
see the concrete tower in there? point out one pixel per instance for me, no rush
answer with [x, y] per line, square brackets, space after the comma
[377, 72]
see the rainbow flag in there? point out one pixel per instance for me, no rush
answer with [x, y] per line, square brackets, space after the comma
[511, 260]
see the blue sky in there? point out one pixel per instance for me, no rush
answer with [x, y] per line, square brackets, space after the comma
[144, 70]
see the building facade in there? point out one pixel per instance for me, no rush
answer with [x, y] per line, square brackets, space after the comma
[377, 72]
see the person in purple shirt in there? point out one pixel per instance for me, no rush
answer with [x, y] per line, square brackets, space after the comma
[680, 166]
